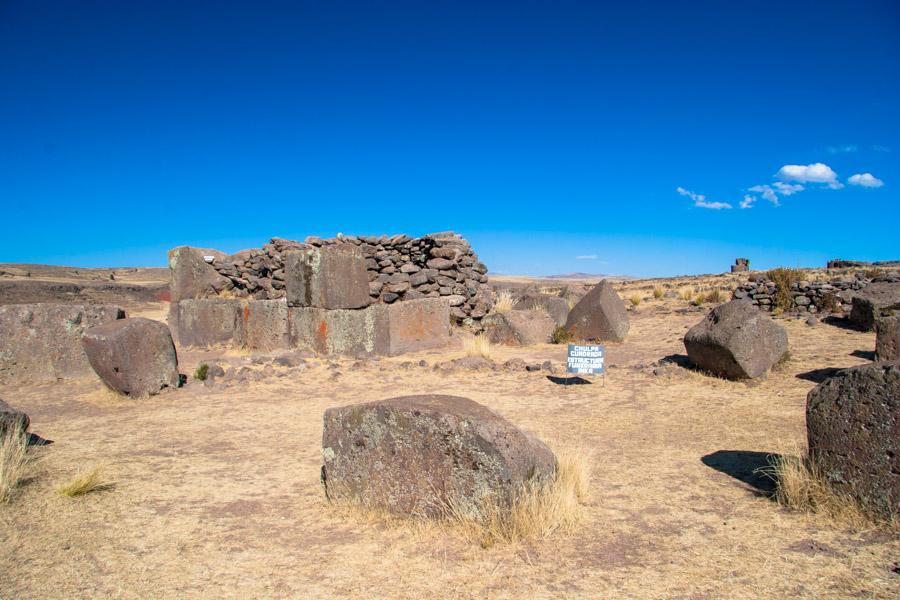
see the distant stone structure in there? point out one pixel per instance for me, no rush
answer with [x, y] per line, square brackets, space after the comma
[833, 296]
[839, 263]
[740, 265]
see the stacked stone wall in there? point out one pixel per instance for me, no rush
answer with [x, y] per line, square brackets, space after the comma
[833, 296]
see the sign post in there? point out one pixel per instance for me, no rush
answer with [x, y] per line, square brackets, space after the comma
[586, 360]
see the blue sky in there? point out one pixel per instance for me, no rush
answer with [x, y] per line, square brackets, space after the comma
[557, 136]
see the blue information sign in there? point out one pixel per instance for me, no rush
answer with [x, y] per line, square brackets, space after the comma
[585, 359]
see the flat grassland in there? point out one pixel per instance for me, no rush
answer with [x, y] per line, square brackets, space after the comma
[216, 489]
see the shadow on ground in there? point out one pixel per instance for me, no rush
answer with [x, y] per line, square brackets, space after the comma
[36, 440]
[818, 375]
[568, 380]
[745, 466]
[866, 354]
[842, 322]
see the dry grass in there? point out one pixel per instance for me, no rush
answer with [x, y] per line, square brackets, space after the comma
[635, 299]
[14, 460]
[478, 345]
[503, 302]
[801, 486]
[538, 511]
[90, 480]
[102, 396]
[658, 292]
[687, 293]
[784, 279]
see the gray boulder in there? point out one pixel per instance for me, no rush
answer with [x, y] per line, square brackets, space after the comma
[873, 301]
[10, 418]
[41, 343]
[736, 340]
[853, 429]
[887, 339]
[417, 455]
[556, 307]
[599, 316]
[135, 357]
[519, 327]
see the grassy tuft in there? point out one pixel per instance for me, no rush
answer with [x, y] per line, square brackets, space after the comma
[635, 299]
[503, 302]
[784, 279]
[478, 345]
[658, 292]
[85, 482]
[14, 460]
[201, 372]
[687, 293]
[538, 511]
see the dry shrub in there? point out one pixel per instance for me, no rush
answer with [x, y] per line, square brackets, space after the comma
[201, 372]
[635, 299]
[874, 273]
[784, 279]
[503, 302]
[561, 335]
[14, 460]
[478, 345]
[801, 486]
[539, 308]
[90, 480]
[538, 511]
[658, 292]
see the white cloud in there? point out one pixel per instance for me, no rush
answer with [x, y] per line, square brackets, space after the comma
[587, 257]
[865, 180]
[787, 189]
[700, 200]
[748, 201]
[840, 149]
[814, 173]
[767, 193]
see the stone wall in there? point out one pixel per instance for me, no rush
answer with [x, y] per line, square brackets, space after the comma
[809, 296]
[399, 268]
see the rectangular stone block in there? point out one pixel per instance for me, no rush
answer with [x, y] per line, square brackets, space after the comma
[41, 343]
[211, 322]
[887, 339]
[266, 325]
[327, 277]
[361, 332]
[415, 325]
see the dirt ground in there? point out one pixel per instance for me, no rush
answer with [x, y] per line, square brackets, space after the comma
[216, 489]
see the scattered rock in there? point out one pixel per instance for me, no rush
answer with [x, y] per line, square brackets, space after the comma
[875, 300]
[556, 307]
[519, 327]
[853, 428]
[812, 321]
[415, 455]
[135, 357]
[736, 341]
[599, 316]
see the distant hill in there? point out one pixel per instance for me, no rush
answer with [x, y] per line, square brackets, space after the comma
[586, 276]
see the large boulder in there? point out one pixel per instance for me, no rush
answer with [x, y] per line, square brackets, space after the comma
[210, 322]
[736, 340]
[135, 357]
[556, 307]
[327, 277]
[41, 343]
[887, 339]
[191, 276]
[519, 327]
[599, 316]
[873, 301]
[853, 428]
[417, 455]
[12, 419]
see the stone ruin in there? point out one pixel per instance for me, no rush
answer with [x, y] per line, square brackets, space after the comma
[398, 268]
[740, 265]
[325, 297]
[835, 296]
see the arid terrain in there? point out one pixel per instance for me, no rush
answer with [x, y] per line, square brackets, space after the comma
[215, 490]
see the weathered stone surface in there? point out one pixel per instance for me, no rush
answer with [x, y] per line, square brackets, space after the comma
[210, 322]
[42, 342]
[556, 307]
[190, 276]
[519, 327]
[135, 357]
[415, 325]
[342, 332]
[266, 325]
[853, 428]
[737, 341]
[10, 418]
[327, 277]
[887, 339]
[415, 455]
[875, 300]
[599, 316]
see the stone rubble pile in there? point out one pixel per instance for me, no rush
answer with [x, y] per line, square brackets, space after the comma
[814, 297]
[398, 268]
